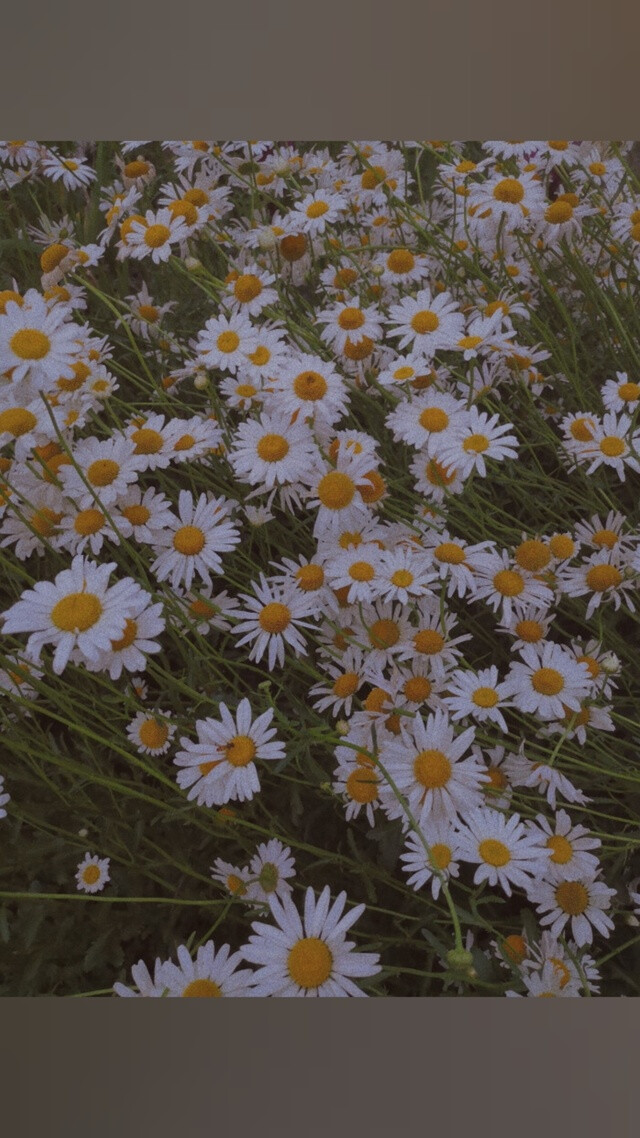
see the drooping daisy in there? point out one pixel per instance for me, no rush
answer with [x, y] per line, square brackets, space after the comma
[151, 732]
[428, 768]
[221, 766]
[93, 873]
[309, 955]
[504, 850]
[579, 898]
[194, 541]
[79, 609]
[547, 780]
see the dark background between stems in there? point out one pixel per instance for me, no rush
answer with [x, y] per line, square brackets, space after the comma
[468, 69]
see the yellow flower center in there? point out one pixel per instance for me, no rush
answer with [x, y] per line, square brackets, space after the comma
[310, 577]
[384, 634]
[137, 515]
[30, 344]
[316, 209]
[362, 571]
[351, 318]
[400, 261]
[203, 988]
[434, 419]
[90, 874]
[185, 442]
[136, 169]
[562, 849]
[52, 256]
[189, 540]
[508, 582]
[88, 522]
[336, 490]
[227, 342]
[310, 385]
[293, 247]
[428, 641]
[432, 769]
[547, 681]
[602, 577]
[310, 962]
[515, 948]
[629, 392]
[76, 612]
[494, 852]
[581, 430]
[127, 638]
[441, 855]
[485, 697]
[533, 555]
[346, 684]
[529, 630]
[417, 689]
[274, 617]
[147, 441]
[272, 448]
[156, 235]
[362, 785]
[402, 578]
[103, 472]
[562, 546]
[449, 553]
[148, 312]
[241, 750]
[17, 421]
[247, 288]
[509, 190]
[558, 212]
[424, 321]
[572, 897]
[475, 444]
[612, 446]
[153, 734]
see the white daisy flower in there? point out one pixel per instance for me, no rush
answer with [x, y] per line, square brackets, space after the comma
[426, 419]
[477, 694]
[93, 873]
[221, 766]
[151, 732]
[38, 344]
[504, 850]
[155, 236]
[213, 972]
[79, 609]
[225, 342]
[568, 845]
[109, 466]
[271, 619]
[427, 767]
[581, 899]
[441, 860]
[603, 576]
[621, 394]
[429, 324]
[312, 387]
[193, 543]
[309, 955]
[480, 437]
[504, 585]
[272, 451]
[349, 324]
[548, 681]
[268, 872]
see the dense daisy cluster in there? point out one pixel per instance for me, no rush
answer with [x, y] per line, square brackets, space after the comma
[319, 464]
